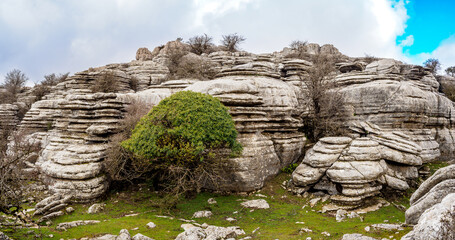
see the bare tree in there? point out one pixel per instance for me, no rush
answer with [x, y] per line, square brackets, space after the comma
[450, 71]
[298, 45]
[369, 58]
[44, 87]
[433, 64]
[15, 150]
[298, 48]
[107, 82]
[325, 103]
[54, 79]
[201, 44]
[15, 81]
[231, 42]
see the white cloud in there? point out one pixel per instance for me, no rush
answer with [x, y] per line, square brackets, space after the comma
[407, 42]
[41, 37]
[215, 8]
[445, 53]
[355, 27]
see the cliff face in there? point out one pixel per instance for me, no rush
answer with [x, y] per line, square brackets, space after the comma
[266, 98]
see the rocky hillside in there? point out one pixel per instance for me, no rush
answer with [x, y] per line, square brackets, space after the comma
[394, 120]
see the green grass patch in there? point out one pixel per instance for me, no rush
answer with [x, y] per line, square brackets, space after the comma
[278, 222]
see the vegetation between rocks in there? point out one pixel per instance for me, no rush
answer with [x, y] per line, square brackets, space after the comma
[134, 208]
[181, 145]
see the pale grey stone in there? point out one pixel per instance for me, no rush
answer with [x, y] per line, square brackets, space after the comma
[437, 222]
[257, 203]
[202, 214]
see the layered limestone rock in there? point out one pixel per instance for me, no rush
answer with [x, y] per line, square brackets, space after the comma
[78, 122]
[263, 109]
[431, 192]
[358, 166]
[437, 222]
[72, 158]
[266, 96]
[8, 115]
[403, 98]
[144, 54]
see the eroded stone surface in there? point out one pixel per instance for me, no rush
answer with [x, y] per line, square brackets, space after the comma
[431, 192]
[358, 167]
[437, 222]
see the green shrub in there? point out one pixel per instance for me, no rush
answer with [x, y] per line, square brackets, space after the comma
[182, 129]
[290, 168]
[187, 139]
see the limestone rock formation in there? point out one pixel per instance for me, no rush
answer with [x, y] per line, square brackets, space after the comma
[437, 222]
[397, 118]
[144, 54]
[8, 115]
[431, 192]
[263, 111]
[358, 167]
[403, 98]
[73, 156]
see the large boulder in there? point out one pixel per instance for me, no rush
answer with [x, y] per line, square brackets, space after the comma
[144, 54]
[263, 109]
[359, 165]
[431, 192]
[436, 223]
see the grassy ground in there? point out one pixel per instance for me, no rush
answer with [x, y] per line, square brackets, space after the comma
[278, 222]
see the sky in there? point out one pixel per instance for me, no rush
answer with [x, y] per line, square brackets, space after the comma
[40, 37]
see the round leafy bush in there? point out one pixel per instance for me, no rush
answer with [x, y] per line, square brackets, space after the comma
[183, 130]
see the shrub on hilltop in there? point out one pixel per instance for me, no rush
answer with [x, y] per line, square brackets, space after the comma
[106, 83]
[201, 44]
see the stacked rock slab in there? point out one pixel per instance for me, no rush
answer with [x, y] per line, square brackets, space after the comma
[358, 166]
[264, 109]
[73, 157]
[266, 97]
[403, 98]
[8, 116]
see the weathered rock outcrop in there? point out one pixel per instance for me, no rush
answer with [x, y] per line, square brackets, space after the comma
[358, 166]
[266, 95]
[144, 54]
[73, 156]
[263, 109]
[404, 98]
[8, 115]
[431, 192]
[436, 223]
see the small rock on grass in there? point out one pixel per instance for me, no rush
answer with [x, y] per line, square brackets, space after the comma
[202, 214]
[124, 235]
[305, 230]
[141, 237]
[314, 201]
[229, 219]
[356, 236]
[211, 201]
[96, 208]
[386, 226]
[341, 215]
[69, 209]
[257, 203]
[151, 225]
